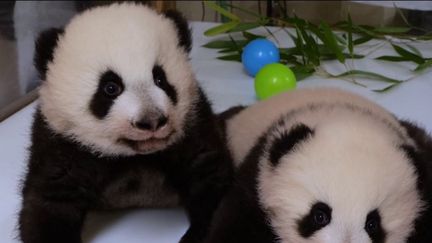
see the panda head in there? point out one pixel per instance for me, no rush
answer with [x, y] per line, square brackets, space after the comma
[117, 79]
[343, 178]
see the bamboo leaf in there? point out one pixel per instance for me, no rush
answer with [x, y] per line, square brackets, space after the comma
[324, 50]
[222, 44]
[251, 36]
[368, 27]
[228, 50]
[369, 75]
[231, 57]
[299, 45]
[314, 51]
[293, 37]
[392, 30]
[310, 47]
[340, 39]
[365, 31]
[362, 40]
[239, 48]
[424, 65]
[290, 51]
[414, 49]
[331, 42]
[318, 33]
[297, 21]
[301, 72]
[217, 44]
[223, 28]
[245, 26]
[289, 58]
[222, 11]
[425, 37]
[341, 24]
[393, 58]
[271, 34]
[391, 86]
[407, 54]
[350, 39]
[316, 43]
[347, 55]
[353, 56]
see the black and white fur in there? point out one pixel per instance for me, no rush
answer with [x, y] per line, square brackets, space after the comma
[121, 123]
[325, 166]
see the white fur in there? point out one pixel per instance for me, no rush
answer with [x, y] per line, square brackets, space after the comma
[128, 39]
[245, 128]
[352, 163]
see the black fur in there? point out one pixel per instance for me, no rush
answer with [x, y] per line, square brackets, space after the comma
[240, 219]
[65, 180]
[160, 79]
[44, 50]
[374, 227]
[90, 4]
[101, 103]
[287, 141]
[308, 225]
[422, 160]
[183, 30]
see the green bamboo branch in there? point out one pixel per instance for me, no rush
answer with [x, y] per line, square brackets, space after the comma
[316, 43]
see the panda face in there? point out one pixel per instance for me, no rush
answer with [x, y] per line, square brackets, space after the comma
[342, 179]
[119, 82]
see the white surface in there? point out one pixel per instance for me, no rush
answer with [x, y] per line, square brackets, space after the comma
[226, 84]
[413, 5]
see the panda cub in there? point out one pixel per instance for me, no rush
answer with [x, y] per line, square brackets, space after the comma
[121, 122]
[325, 166]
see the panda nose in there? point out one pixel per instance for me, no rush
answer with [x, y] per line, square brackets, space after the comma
[151, 123]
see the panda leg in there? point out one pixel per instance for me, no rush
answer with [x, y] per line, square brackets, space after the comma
[200, 213]
[50, 222]
[208, 181]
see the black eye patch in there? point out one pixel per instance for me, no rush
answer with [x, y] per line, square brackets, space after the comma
[318, 217]
[374, 228]
[109, 88]
[286, 142]
[160, 79]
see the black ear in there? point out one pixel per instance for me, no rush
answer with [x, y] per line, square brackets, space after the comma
[183, 30]
[44, 49]
[286, 142]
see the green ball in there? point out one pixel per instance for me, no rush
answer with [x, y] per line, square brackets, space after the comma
[273, 79]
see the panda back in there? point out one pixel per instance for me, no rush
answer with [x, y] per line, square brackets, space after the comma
[244, 129]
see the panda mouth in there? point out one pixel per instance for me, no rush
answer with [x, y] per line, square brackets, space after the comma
[148, 144]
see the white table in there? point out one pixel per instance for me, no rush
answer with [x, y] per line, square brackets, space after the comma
[226, 84]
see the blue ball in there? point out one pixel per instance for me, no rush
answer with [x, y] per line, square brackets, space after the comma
[259, 53]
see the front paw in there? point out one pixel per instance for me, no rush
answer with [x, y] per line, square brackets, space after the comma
[192, 236]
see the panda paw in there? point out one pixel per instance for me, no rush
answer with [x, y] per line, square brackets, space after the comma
[191, 236]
